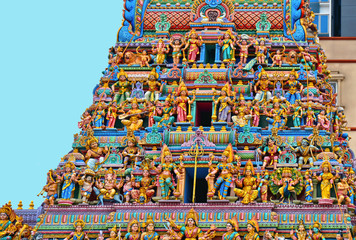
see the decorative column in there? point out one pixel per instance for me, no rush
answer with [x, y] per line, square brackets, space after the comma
[217, 53]
[202, 54]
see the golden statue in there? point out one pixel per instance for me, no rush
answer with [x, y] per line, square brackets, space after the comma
[326, 178]
[252, 230]
[134, 122]
[248, 184]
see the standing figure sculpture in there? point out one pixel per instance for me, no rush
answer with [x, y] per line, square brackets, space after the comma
[227, 45]
[243, 50]
[305, 151]
[263, 94]
[232, 230]
[86, 185]
[252, 230]
[161, 49]
[177, 45]
[293, 94]
[315, 234]
[243, 113]
[51, 188]
[301, 233]
[193, 43]
[226, 169]
[224, 103]
[131, 153]
[68, 179]
[79, 234]
[183, 103]
[154, 87]
[323, 121]
[166, 170]
[326, 178]
[309, 188]
[190, 230]
[261, 51]
[99, 116]
[111, 115]
[246, 188]
[123, 84]
[133, 230]
[298, 114]
[271, 153]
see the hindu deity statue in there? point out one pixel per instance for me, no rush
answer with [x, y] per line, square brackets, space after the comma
[223, 103]
[99, 115]
[343, 191]
[310, 116]
[246, 188]
[243, 113]
[293, 94]
[323, 121]
[113, 234]
[111, 115]
[165, 171]
[68, 179]
[305, 152]
[144, 188]
[227, 45]
[123, 85]
[287, 184]
[298, 114]
[51, 188]
[326, 178]
[232, 230]
[150, 233]
[194, 42]
[107, 189]
[352, 184]
[166, 112]
[131, 153]
[145, 58]
[86, 184]
[154, 87]
[190, 230]
[226, 169]
[277, 58]
[301, 233]
[243, 50]
[85, 120]
[252, 230]
[255, 113]
[263, 186]
[151, 108]
[177, 44]
[161, 49]
[271, 153]
[277, 116]
[261, 51]
[133, 230]
[306, 57]
[134, 115]
[315, 234]
[309, 188]
[130, 182]
[79, 234]
[263, 94]
[7, 222]
[183, 103]
[340, 121]
[95, 154]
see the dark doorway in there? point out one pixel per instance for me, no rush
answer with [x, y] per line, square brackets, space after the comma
[203, 114]
[201, 188]
[210, 53]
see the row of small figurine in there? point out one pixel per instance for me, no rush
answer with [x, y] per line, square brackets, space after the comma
[227, 42]
[191, 230]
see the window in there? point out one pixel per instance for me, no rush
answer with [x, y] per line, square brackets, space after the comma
[322, 11]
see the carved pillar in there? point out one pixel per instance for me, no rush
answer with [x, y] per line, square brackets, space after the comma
[202, 53]
[181, 184]
[217, 53]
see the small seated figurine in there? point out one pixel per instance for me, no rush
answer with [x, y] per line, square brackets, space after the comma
[166, 170]
[315, 234]
[277, 58]
[7, 222]
[226, 169]
[271, 153]
[277, 116]
[305, 150]
[144, 189]
[246, 188]
[232, 230]
[134, 123]
[306, 57]
[227, 45]
[113, 234]
[243, 50]
[123, 84]
[131, 153]
[243, 113]
[301, 233]
[51, 188]
[86, 185]
[145, 58]
[95, 154]
[150, 233]
[343, 191]
[161, 50]
[191, 230]
[166, 119]
[252, 230]
[323, 121]
[79, 234]
[108, 189]
[224, 103]
[154, 87]
[133, 230]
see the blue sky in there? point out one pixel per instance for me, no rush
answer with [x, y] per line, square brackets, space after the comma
[51, 57]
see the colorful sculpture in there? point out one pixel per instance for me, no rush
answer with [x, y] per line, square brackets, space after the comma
[326, 178]
[297, 114]
[343, 191]
[261, 51]
[263, 186]
[287, 184]
[79, 234]
[277, 116]
[243, 50]
[315, 234]
[323, 121]
[108, 188]
[166, 112]
[150, 233]
[309, 188]
[123, 84]
[263, 94]
[232, 230]
[7, 222]
[68, 180]
[224, 103]
[51, 188]
[131, 153]
[154, 87]
[134, 115]
[161, 49]
[301, 233]
[228, 49]
[111, 115]
[133, 230]
[271, 153]
[243, 114]
[252, 230]
[177, 44]
[86, 185]
[293, 94]
[183, 103]
[305, 150]
[226, 169]
[95, 155]
[194, 42]
[99, 116]
[246, 188]
[144, 189]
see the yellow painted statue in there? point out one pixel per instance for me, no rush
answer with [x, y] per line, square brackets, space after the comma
[246, 187]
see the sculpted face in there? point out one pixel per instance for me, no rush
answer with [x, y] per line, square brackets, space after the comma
[301, 228]
[191, 222]
[229, 227]
[226, 36]
[150, 227]
[304, 143]
[145, 173]
[270, 142]
[93, 144]
[168, 158]
[249, 228]
[3, 216]
[292, 77]
[122, 78]
[134, 227]
[248, 172]
[112, 234]
[223, 158]
[130, 144]
[79, 228]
